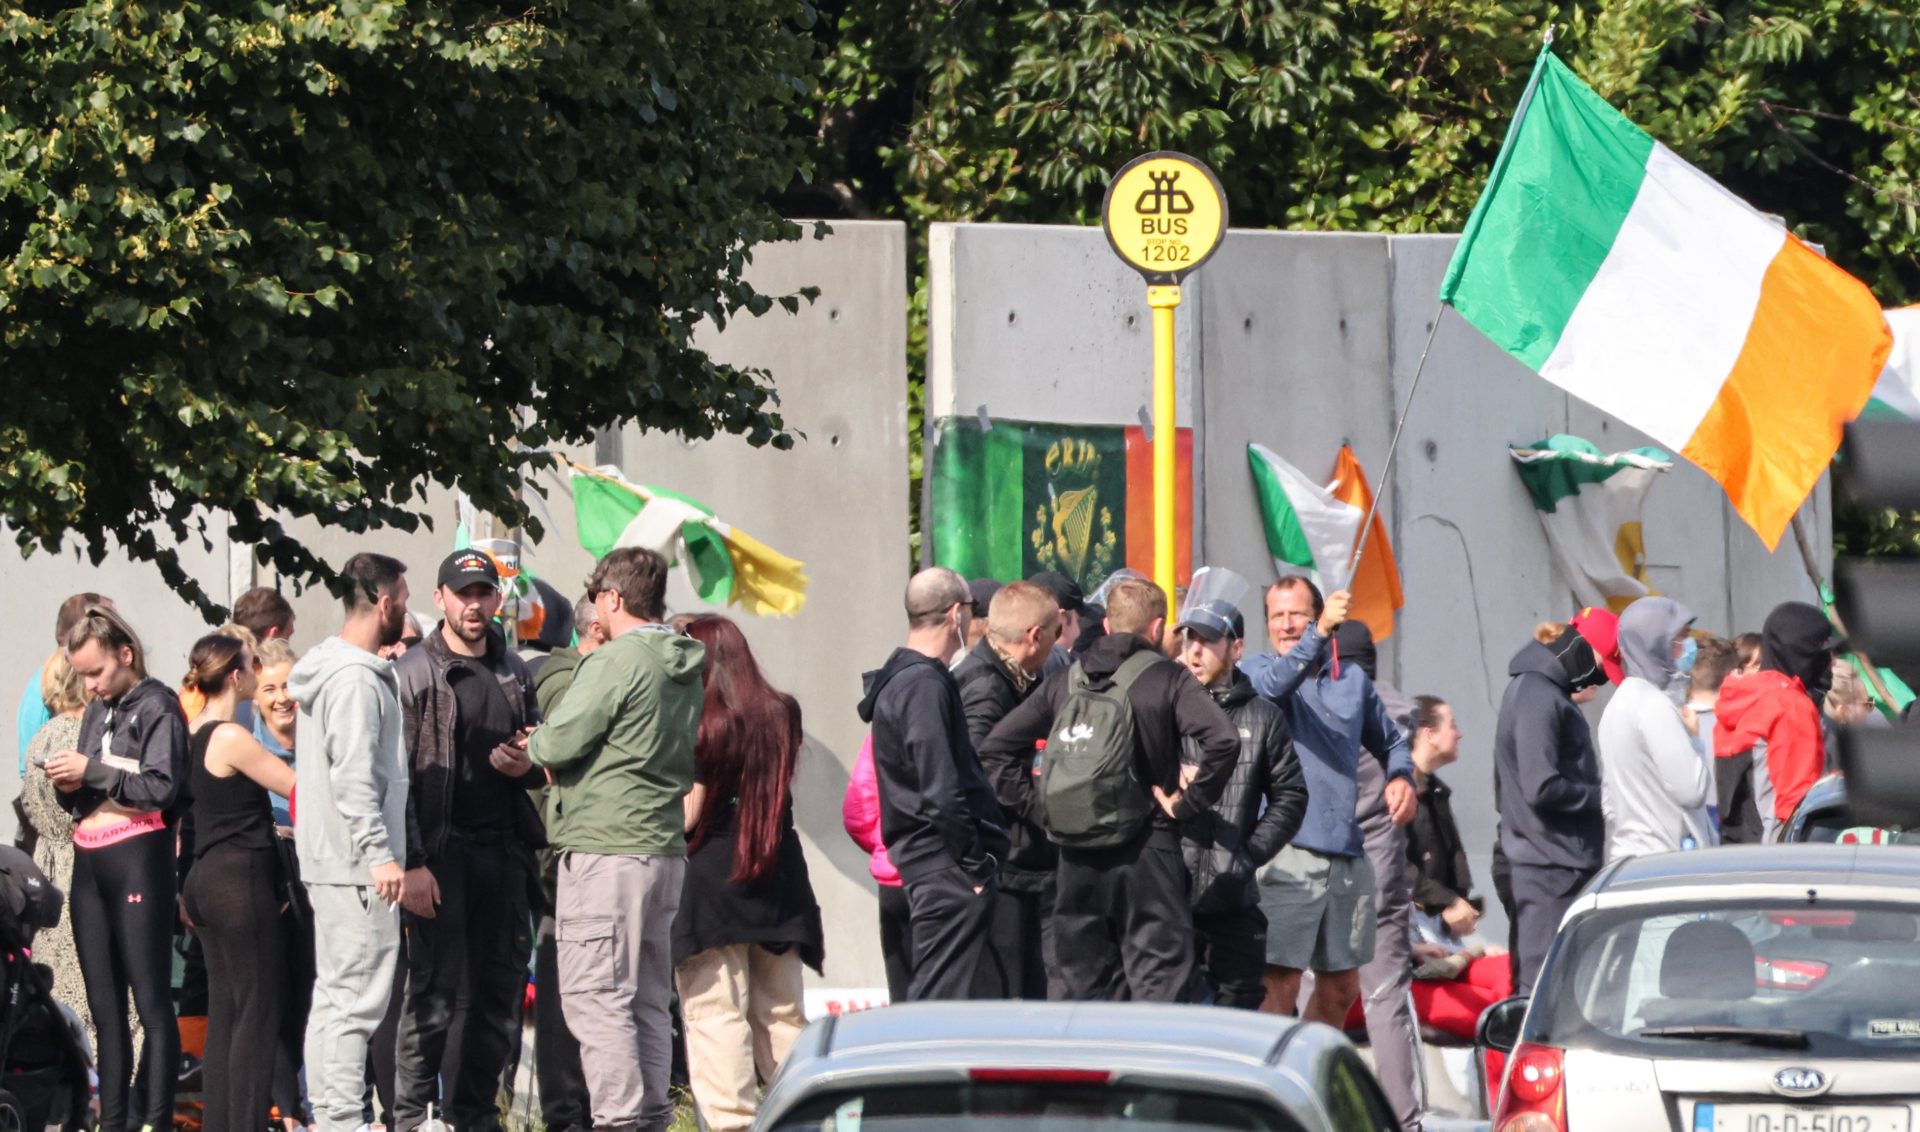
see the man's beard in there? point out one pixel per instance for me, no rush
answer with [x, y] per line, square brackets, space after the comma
[393, 628]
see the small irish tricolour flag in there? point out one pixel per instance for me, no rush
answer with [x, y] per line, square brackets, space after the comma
[1635, 282]
[1311, 531]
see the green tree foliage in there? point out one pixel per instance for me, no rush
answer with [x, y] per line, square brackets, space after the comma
[263, 260]
[1373, 115]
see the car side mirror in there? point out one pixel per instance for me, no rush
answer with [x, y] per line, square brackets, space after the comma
[1500, 1024]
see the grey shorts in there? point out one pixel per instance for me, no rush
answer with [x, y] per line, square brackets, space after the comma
[1320, 910]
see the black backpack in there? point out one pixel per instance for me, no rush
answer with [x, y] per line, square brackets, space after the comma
[29, 902]
[1090, 796]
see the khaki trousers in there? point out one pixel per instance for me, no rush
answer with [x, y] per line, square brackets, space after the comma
[613, 927]
[742, 1009]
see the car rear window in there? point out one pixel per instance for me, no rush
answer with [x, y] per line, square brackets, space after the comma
[999, 1107]
[1820, 976]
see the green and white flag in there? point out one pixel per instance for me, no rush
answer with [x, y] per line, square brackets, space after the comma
[1589, 505]
[609, 512]
[1896, 396]
[1309, 531]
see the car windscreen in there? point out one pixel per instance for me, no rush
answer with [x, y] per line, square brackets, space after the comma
[1710, 979]
[973, 1106]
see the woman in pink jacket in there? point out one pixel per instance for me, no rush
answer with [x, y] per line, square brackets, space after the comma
[860, 813]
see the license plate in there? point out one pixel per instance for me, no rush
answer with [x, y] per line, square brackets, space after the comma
[1800, 1118]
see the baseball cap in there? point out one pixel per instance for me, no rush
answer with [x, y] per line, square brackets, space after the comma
[1602, 630]
[1212, 620]
[982, 590]
[1066, 592]
[463, 568]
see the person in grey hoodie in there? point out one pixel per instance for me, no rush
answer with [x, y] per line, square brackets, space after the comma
[350, 830]
[1654, 786]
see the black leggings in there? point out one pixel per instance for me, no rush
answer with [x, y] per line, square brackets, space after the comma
[123, 914]
[233, 898]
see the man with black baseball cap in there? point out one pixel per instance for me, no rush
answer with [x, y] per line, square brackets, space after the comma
[467, 702]
[1072, 602]
[1226, 843]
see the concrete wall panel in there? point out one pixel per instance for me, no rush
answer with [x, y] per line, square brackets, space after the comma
[1294, 340]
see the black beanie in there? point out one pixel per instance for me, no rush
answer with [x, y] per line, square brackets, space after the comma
[1578, 660]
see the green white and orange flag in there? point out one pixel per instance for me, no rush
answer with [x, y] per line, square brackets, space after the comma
[1638, 284]
[1311, 531]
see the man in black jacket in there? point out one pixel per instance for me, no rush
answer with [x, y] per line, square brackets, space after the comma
[472, 829]
[1123, 927]
[1000, 672]
[938, 817]
[1224, 845]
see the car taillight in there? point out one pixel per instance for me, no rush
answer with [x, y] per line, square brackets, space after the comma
[1011, 1076]
[1787, 974]
[1534, 1099]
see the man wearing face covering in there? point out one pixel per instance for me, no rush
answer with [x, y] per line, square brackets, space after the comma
[1655, 787]
[1547, 783]
[1767, 741]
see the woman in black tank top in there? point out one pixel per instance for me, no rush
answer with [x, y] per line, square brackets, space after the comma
[233, 891]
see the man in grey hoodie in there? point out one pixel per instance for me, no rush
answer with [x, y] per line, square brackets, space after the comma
[1654, 786]
[350, 830]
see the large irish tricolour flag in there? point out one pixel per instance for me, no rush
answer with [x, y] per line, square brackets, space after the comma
[1635, 282]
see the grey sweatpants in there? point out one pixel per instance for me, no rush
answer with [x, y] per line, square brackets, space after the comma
[355, 954]
[613, 929]
[1386, 983]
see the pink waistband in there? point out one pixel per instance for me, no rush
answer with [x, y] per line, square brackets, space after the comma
[115, 834]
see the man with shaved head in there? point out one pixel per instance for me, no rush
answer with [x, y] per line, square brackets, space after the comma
[938, 817]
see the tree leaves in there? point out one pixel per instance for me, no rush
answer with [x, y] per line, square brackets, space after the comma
[301, 260]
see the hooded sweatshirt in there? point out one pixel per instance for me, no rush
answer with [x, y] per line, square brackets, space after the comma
[620, 746]
[352, 772]
[1767, 738]
[1546, 776]
[936, 808]
[1655, 787]
[136, 748]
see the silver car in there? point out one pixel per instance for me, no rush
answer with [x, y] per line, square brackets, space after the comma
[1742, 989]
[1006, 1066]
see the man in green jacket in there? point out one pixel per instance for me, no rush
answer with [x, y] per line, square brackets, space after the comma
[619, 752]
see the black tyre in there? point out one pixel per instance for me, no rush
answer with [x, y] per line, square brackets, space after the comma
[13, 1118]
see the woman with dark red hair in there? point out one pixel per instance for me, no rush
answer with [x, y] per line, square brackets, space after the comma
[747, 919]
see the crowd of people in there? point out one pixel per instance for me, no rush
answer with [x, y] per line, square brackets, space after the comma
[361, 843]
[368, 845]
[1154, 813]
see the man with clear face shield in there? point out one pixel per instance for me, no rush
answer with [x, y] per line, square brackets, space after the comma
[1258, 812]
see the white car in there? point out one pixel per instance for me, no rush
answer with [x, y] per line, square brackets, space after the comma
[1743, 989]
[1071, 1067]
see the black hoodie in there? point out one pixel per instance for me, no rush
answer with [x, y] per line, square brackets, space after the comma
[1168, 705]
[936, 809]
[1797, 640]
[1546, 773]
[148, 749]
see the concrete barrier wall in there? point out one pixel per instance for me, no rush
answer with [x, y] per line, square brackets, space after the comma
[1298, 341]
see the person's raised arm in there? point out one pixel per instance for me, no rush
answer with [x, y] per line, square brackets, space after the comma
[1276, 677]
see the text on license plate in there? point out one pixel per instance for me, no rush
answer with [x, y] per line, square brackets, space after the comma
[1800, 1118]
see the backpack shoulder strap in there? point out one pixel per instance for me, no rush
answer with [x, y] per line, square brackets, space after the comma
[1134, 666]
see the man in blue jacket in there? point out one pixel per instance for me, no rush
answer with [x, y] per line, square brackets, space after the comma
[1318, 894]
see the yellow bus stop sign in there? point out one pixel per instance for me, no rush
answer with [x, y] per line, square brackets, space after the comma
[1164, 215]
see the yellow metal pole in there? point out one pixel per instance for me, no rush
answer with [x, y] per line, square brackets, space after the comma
[1165, 437]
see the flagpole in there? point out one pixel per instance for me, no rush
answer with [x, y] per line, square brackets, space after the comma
[1393, 449]
[1807, 559]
